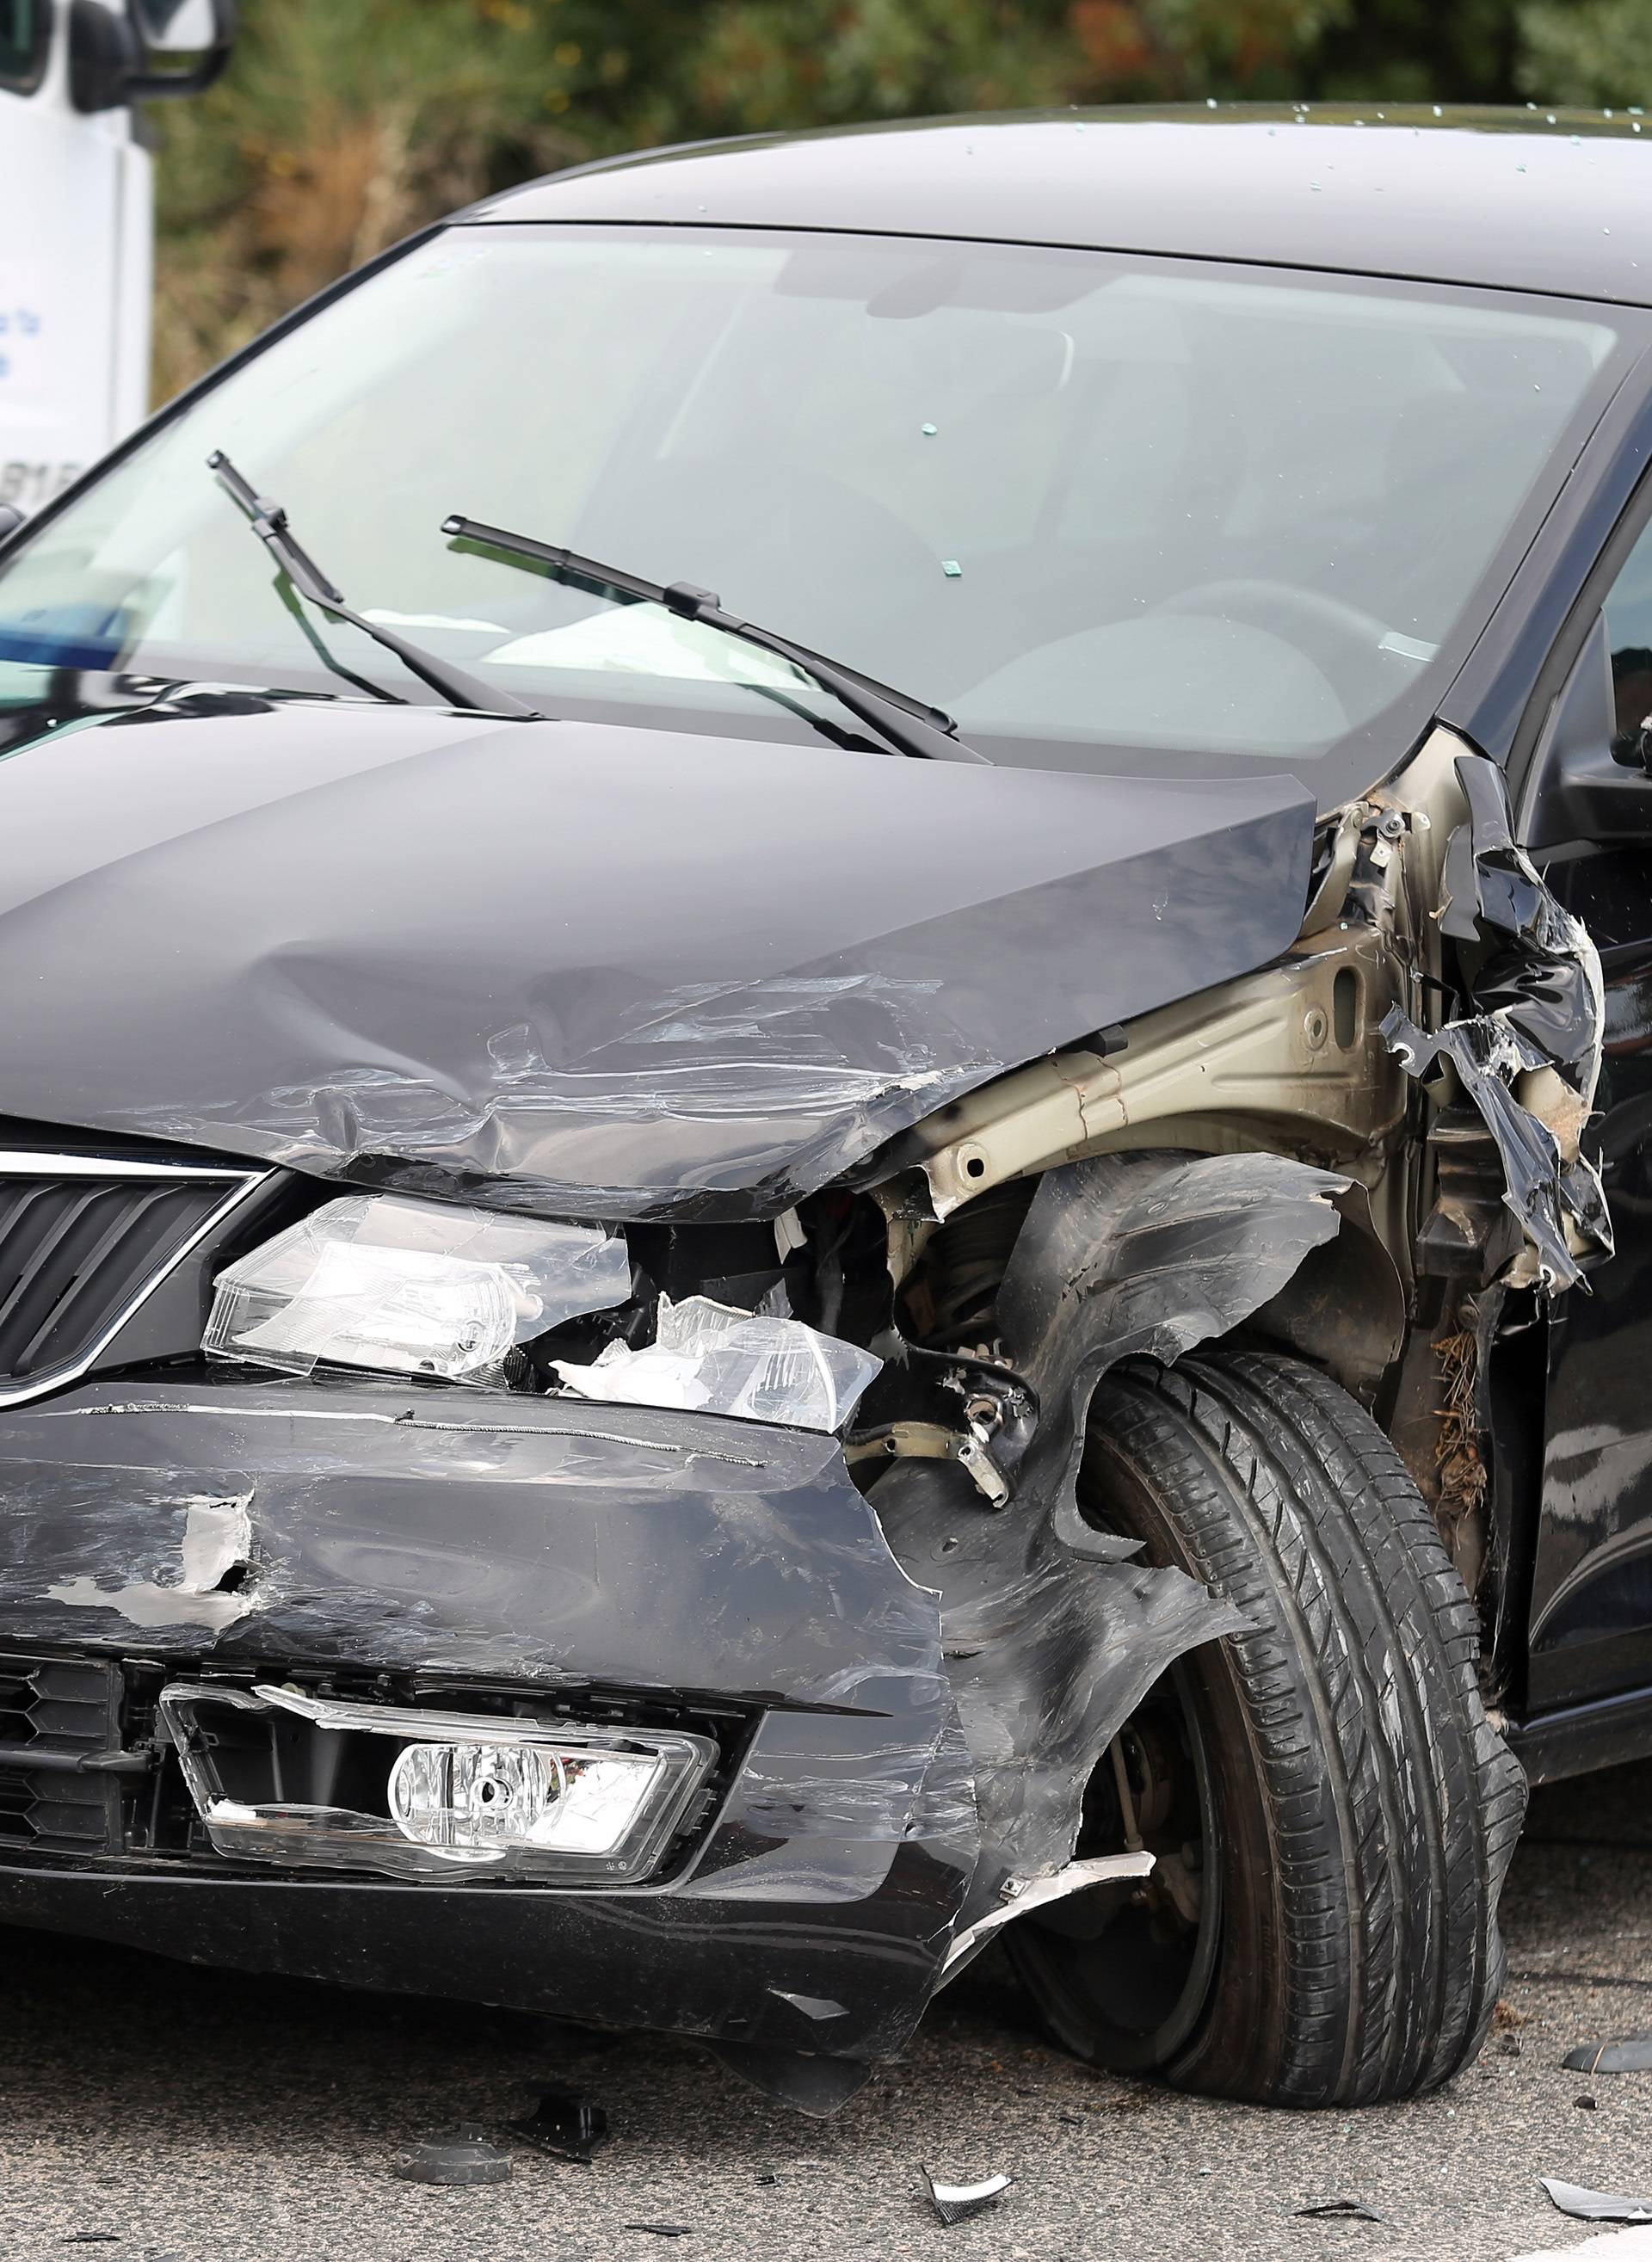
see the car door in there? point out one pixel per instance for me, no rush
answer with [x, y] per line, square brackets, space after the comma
[1589, 822]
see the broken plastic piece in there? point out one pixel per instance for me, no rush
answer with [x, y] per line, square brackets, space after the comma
[1491, 1058]
[1595, 2206]
[1076, 1877]
[712, 1358]
[1350, 2211]
[567, 2126]
[410, 1287]
[956, 2202]
[458, 2160]
[662, 2229]
[1528, 1057]
[812, 2007]
[1631, 2054]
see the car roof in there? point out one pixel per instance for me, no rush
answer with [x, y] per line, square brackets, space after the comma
[1553, 201]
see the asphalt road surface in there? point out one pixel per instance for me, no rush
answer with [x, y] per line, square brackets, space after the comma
[152, 2113]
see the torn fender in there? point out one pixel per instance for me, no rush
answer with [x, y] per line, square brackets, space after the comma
[1051, 1636]
[1528, 1056]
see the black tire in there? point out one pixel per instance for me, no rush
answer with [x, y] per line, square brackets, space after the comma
[1345, 1807]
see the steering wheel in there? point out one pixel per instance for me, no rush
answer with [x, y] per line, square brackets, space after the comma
[1341, 640]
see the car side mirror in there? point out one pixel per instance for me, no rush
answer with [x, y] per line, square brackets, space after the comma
[1588, 780]
[124, 51]
[181, 38]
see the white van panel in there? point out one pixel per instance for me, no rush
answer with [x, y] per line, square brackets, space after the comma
[75, 258]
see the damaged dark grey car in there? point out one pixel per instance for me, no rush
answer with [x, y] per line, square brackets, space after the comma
[825, 966]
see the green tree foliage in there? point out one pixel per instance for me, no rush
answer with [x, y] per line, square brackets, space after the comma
[1598, 52]
[344, 123]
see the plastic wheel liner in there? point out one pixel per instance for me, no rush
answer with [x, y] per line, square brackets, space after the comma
[1052, 1634]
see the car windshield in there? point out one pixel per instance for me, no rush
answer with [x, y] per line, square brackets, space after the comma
[1109, 512]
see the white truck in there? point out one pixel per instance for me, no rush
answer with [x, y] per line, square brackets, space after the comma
[76, 221]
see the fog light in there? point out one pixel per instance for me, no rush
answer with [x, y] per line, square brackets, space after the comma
[473, 1794]
[496, 1793]
[470, 1796]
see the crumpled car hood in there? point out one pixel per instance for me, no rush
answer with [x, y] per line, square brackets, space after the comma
[579, 968]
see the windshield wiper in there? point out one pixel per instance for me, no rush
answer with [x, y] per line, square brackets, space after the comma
[908, 724]
[269, 521]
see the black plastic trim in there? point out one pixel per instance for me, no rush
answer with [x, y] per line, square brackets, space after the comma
[1585, 1737]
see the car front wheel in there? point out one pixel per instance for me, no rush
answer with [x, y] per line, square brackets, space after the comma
[1332, 1811]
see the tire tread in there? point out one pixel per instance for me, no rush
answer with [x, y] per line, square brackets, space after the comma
[1392, 1806]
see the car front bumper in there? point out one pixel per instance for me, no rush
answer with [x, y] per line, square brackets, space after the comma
[596, 1558]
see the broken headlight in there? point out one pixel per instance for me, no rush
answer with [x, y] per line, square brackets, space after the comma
[434, 1792]
[410, 1287]
[710, 1359]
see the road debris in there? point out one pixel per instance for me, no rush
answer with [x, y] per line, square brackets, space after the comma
[1350, 2210]
[956, 2202]
[663, 2230]
[566, 2125]
[1593, 2206]
[465, 2157]
[1629, 2054]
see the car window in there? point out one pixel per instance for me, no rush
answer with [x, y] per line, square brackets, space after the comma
[1107, 511]
[1628, 611]
[23, 39]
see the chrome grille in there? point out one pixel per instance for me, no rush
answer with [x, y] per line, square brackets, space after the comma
[83, 1238]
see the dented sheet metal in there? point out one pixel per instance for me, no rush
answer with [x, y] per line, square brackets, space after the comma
[1528, 1056]
[539, 1549]
[552, 1557]
[1052, 1636]
[184, 1576]
[585, 970]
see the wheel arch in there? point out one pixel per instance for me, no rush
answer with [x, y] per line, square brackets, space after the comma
[1156, 1251]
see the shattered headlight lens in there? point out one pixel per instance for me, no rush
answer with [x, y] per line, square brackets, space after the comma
[410, 1287]
[711, 1358]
